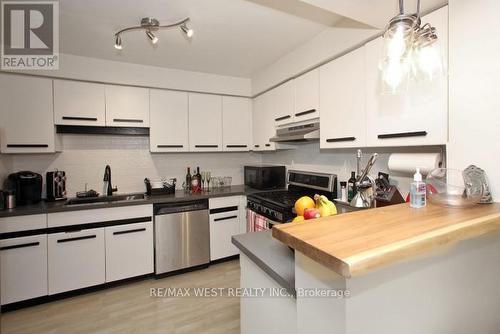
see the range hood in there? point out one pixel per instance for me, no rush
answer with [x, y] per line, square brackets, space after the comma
[297, 132]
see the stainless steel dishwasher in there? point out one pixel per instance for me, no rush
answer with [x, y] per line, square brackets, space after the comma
[182, 235]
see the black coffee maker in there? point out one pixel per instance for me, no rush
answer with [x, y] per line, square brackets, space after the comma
[27, 187]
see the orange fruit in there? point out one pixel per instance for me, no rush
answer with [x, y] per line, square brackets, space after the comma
[305, 202]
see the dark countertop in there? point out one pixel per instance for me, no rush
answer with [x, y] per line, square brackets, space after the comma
[180, 195]
[269, 254]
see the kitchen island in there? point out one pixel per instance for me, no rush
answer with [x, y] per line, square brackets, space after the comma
[396, 270]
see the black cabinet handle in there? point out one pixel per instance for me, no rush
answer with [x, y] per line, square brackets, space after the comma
[403, 135]
[77, 238]
[236, 146]
[30, 244]
[27, 145]
[127, 120]
[302, 113]
[130, 231]
[268, 145]
[206, 146]
[256, 146]
[225, 218]
[71, 118]
[170, 146]
[282, 118]
[334, 140]
[226, 209]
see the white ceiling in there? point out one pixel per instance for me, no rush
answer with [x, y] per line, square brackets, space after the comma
[232, 37]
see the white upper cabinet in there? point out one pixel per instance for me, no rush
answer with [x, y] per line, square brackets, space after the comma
[307, 96]
[263, 123]
[79, 103]
[343, 117]
[169, 130]
[236, 123]
[127, 106]
[26, 115]
[420, 116]
[283, 103]
[205, 122]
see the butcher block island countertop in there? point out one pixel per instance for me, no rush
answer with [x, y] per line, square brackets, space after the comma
[354, 243]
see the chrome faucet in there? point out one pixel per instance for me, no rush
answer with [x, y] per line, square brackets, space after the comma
[108, 188]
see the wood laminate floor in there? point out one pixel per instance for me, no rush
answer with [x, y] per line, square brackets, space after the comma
[130, 309]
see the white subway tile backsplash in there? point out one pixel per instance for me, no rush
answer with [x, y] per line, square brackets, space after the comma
[84, 157]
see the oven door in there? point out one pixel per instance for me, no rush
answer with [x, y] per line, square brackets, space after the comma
[257, 222]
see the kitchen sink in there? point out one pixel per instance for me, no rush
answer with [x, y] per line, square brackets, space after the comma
[105, 199]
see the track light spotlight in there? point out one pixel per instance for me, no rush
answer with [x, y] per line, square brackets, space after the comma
[152, 37]
[118, 42]
[189, 32]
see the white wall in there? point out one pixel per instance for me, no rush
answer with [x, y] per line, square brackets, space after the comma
[85, 156]
[474, 89]
[342, 161]
[329, 43]
[93, 69]
[5, 167]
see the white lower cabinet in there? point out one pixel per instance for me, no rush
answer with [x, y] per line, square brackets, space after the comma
[23, 272]
[129, 251]
[224, 223]
[76, 260]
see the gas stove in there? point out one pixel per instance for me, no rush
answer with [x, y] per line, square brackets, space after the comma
[277, 206]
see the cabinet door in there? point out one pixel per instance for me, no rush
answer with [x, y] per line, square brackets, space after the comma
[236, 123]
[127, 106]
[224, 223]
[283, 104]
[79, 103]
[129, 251]
[26, 115]
[258, 110]
[23, 272]
[343, 117]
[307, 96]
[268, 119]
[205, 122]
[420, 116]
[169, 130]
[76, 260]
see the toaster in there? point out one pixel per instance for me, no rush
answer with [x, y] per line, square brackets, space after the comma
[56, 185]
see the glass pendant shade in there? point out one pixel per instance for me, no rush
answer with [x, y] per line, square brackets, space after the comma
[428, 60]
[398, 47]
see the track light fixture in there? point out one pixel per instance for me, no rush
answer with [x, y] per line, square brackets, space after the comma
[118, 42]
[150, 25]
[189, 32]
[409, 50]
[152, 37]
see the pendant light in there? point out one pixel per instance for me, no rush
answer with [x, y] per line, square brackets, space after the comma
[410, 51]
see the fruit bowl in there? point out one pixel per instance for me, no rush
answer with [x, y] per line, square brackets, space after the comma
[451, 187]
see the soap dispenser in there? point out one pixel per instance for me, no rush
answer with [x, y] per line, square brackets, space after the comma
[418, 191]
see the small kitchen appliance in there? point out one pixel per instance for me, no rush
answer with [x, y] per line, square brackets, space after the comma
[27, 187]
[2, 200]
[265, 177]
[56, 185]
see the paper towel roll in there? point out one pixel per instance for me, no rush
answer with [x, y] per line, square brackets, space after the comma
[407, 162]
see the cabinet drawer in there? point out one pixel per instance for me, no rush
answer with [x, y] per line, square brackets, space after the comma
[76, 260]
[223, 202]
[23, 272]
[23, 223]
[129, 251]
[98, 215]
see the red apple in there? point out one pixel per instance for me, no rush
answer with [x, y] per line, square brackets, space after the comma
[311, 214]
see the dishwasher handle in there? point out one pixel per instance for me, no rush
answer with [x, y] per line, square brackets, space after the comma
[177, 207]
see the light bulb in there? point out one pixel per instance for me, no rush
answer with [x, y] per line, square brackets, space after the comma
[394, 76]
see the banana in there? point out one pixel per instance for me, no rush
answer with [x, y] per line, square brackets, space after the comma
[325, 206]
